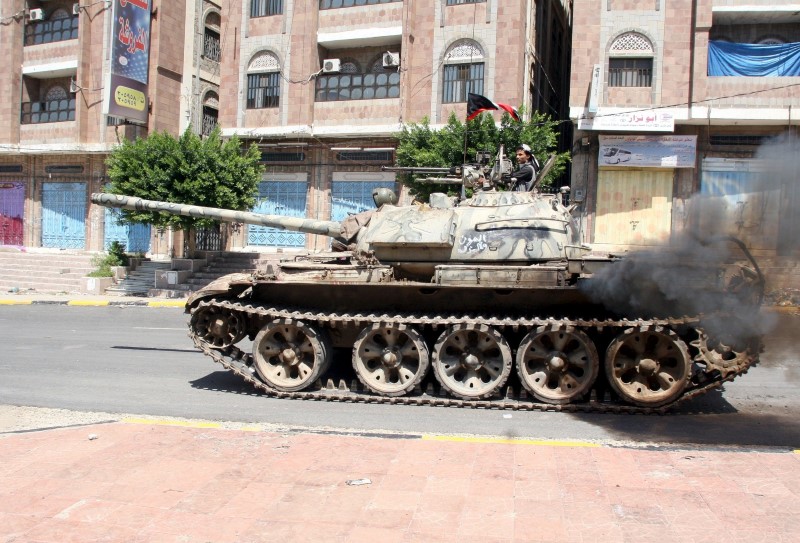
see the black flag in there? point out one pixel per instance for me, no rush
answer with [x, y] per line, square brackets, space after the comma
[476, 104]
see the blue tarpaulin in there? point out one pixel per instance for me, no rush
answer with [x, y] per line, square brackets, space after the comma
[753, 59]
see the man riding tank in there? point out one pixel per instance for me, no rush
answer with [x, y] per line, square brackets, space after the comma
[527, 168]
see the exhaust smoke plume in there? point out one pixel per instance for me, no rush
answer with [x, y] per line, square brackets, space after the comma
[703, 272]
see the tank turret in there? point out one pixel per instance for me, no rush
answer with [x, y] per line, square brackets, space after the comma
[487, 297]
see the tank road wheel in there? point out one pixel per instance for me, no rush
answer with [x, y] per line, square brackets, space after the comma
[289, 355]
[557, 365]
[648, 367]
[471, 361]
[390, 359]
[217, 326]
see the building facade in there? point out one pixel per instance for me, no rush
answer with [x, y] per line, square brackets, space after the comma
[321, 86]
[686, 115]
[56, 132]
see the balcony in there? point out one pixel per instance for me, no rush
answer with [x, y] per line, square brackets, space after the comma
[54, 30]
[353, 86]
[52, 111]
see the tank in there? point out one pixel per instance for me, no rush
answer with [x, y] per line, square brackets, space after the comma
[488, 299]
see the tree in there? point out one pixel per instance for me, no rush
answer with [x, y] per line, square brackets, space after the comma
[421, 145]
[187, 170]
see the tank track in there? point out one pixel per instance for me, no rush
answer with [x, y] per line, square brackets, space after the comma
[719, 368]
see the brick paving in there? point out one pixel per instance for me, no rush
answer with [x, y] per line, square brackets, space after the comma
[151, 482]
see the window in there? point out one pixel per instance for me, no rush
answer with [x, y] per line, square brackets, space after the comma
[60, 26]
[263, 82]
[210, 113]
[462, 75]
[459, 2]
[630, 62]
[333, 4]
[264, 8]
[630, 72]
[263, 90]
[57, 106]
[211, 41]
[353, 84]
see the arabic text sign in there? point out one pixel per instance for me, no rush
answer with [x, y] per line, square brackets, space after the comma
[645, 121]
[130, 59]
[648, 151]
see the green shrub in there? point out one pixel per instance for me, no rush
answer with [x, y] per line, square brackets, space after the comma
[116, 257]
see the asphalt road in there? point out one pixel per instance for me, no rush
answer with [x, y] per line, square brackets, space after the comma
[139, 360]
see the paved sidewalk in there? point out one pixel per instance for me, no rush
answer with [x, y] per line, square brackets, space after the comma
[159, 480]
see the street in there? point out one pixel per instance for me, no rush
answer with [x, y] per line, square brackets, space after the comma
[139, 360]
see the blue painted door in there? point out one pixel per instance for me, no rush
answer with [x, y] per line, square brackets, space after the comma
[135, 237]
[12, 208]
[349, 197]
[286, 198]
[64, 215]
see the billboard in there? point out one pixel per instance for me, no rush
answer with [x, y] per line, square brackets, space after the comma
[130, 60]
[647, 151]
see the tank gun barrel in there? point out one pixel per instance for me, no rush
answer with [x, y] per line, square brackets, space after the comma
[416, 169]
[331, 229]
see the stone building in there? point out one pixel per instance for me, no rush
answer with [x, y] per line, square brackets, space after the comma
[686, 116]
[321, 86]
[56, 133]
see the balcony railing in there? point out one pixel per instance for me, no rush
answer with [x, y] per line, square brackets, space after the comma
[53, 111]
[339, 87]
[51, 31]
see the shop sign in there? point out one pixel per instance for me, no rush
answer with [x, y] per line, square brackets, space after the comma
[648, 120]
[647, 151]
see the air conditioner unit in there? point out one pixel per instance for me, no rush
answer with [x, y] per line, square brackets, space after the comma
[76, 9]
[331, 65]
[391, 60]
[36, 14]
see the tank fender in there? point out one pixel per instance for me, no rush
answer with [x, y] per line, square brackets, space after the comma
[227, 285]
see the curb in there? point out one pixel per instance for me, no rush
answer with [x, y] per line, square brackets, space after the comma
[95, 303]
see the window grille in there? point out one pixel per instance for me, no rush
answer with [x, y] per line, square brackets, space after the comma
[334, 4]
[272, 156]
[210, 118]
[265, 8]
[365, 156]
[461, 79]
[211, 45]
[737, 139]
[630, 72]
[263, 90]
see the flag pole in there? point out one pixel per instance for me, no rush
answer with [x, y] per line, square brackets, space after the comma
[464, 161]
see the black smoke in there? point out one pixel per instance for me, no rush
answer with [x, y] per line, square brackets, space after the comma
[705, 271]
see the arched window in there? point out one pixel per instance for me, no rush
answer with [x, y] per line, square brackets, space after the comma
[210, 112]
[263, 81]
[630, 61]
[463, 71]
[211, 41]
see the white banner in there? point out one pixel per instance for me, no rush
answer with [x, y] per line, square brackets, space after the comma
[642, 120]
